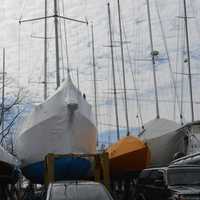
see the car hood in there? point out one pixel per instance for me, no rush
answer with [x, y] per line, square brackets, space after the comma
[186, 189]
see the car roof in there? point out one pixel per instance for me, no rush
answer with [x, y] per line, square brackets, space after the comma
[78, 182]
[183, 166]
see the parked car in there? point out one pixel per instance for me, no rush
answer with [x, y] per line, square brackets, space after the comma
[77, 190]
[169, 183]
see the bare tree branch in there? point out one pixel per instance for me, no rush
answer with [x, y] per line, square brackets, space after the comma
[8, 116]
[9, 127]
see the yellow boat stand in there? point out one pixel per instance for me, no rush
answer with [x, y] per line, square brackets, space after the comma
[101, 169]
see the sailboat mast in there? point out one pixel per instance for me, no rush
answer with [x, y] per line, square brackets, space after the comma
[94, 76]
[56, 16]
[123, 67]
[153, 60]
[113, 72]
[45, 51]
[188, 59]
[57, 44]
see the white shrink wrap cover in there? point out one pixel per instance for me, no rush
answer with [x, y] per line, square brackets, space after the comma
[163, 139]
[62, 124]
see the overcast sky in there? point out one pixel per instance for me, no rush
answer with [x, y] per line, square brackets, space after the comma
[24, 53]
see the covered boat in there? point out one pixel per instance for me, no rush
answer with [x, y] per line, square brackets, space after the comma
[164, 140]
[9, 171]
[128, 155]
[192, 130]
[62, 124]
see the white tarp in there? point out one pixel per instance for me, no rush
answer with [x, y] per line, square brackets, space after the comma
[62, 124]
[192, 129]
[163, 140]
[158, 127]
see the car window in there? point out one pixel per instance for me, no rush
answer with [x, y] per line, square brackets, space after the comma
[79, 192]
[156, 175]
[183, 176]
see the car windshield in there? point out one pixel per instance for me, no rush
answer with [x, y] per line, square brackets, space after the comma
[79, 192]
[183, 176]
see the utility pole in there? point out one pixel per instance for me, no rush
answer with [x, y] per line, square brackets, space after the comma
[113, 72]
[57, 44]
[123, 68]
[94, 76]
[45, 51]
[188, 59]
[153, 60]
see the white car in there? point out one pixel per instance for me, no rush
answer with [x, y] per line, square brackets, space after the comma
[77, 190]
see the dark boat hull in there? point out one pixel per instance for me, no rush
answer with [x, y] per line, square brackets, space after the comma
[69, 168]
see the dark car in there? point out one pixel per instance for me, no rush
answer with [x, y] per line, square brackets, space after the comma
[170, 183]
[77, 190]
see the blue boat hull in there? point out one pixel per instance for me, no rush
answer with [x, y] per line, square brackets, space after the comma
[69, 168]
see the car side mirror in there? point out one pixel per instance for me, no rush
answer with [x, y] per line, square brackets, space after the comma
[159, 183]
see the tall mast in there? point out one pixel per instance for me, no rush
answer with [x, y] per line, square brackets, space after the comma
[94, 76]
[153, 60]
[55, 16]
[113, 72]
[57, 44]
[188, 59]
[45, 51]
[123, 68]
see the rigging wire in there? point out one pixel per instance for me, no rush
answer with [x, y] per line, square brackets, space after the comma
[61, 46]
[117, 57]
[66, 41]
[182, 55]
[109, 97]
[22, 9]
[188, 59]
[196, 17]
[19, 41]
[123, 65]
[50, 89]
[167, 53]
[136, 71]
[182, 82]
[89, 55]
[106, 97]
[133, 77]
[140, 34]
[178, 41]
[112, 68]
[19, 54]
[176, 68]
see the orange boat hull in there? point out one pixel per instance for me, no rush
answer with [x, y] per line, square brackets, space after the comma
[129, 154]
